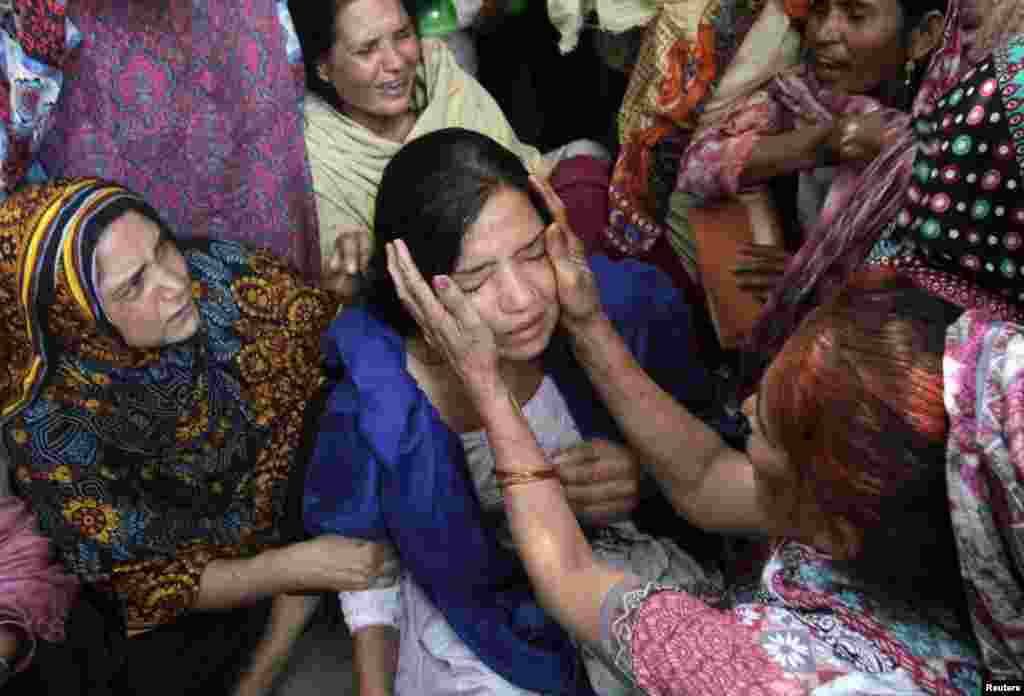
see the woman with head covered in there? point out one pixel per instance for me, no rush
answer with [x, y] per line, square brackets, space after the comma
[152, 400]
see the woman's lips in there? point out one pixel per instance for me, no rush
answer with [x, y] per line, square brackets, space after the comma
[394, 88]
[831, 66]
[527, 330]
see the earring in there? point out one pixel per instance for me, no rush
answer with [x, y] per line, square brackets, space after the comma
[908, 72]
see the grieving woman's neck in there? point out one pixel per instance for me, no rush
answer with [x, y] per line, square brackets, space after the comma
[442, 385]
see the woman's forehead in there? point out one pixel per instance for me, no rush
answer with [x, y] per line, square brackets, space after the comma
[506, 223]
[126, 240]
[365, 20]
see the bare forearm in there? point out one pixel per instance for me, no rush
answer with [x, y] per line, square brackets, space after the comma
[664, 432]
[570, 583]
[703, 478]
[230, 583]
[288, 618]
[376, 659]
[783, 154]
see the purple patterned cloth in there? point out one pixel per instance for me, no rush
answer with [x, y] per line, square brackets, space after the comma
[196, 106]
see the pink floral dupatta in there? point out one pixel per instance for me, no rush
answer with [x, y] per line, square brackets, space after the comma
[984, 395]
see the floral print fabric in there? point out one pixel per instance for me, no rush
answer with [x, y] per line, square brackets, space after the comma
[684, 53]
[197, 106]
[802, 628]
[145, 465]
[984, 396]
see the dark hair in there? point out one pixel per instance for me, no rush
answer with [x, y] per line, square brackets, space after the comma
[430, 193]
[315, 26]
[857, 403]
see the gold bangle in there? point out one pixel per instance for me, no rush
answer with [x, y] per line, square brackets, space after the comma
[516, 478]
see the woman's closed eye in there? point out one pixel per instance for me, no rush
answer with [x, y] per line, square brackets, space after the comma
[132, 287]
[365, 49]
[470, 286]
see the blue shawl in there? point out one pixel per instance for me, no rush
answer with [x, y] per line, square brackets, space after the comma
[387, 467]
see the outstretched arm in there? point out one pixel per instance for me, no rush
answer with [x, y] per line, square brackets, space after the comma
[707, 481]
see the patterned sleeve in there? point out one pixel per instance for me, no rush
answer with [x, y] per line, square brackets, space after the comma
[668, 641]
[713, 164]
[984, 394]
[157, 590]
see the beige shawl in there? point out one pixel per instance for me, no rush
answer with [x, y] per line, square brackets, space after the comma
[347, 160]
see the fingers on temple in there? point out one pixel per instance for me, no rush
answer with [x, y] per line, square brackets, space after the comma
[555, 205]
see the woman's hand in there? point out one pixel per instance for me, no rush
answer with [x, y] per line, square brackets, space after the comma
[577, 288]
[339, 564]
[342, 271]
[760, 268]
[602, 480]
[858, 138]
[450, 323]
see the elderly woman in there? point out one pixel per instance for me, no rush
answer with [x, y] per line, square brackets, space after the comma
[949, 217]
[402, 453]
[821, 122]
[153, 401]
[861, 592]
[372, 87]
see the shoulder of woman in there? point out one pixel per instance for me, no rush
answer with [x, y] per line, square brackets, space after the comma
[630, 289]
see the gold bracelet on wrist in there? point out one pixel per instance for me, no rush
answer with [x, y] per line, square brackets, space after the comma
[506, 479]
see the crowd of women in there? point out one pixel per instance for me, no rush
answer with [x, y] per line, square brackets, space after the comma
[291, 320]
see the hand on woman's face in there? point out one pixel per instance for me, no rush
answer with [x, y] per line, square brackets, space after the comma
[856, 45]
[372, 64]
[144, 284]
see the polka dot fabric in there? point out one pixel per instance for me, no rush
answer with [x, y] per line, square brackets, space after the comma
[963, 222]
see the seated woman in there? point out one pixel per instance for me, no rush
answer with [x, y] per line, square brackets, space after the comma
[821, 122]
[401, 453]
[844, 467]
[152, 401]
[371, 89]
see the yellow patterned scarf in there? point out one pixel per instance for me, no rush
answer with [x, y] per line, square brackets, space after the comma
[146, 465]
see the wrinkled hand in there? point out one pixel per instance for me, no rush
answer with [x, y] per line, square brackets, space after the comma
[760, 268]
[858, 138]
[449, 321]
[342, 272]
[602, 479]
[577, 288]
[341, 564]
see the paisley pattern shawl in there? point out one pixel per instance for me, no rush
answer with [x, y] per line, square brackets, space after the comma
[984, 396]
[146, 464]
[685, 52]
